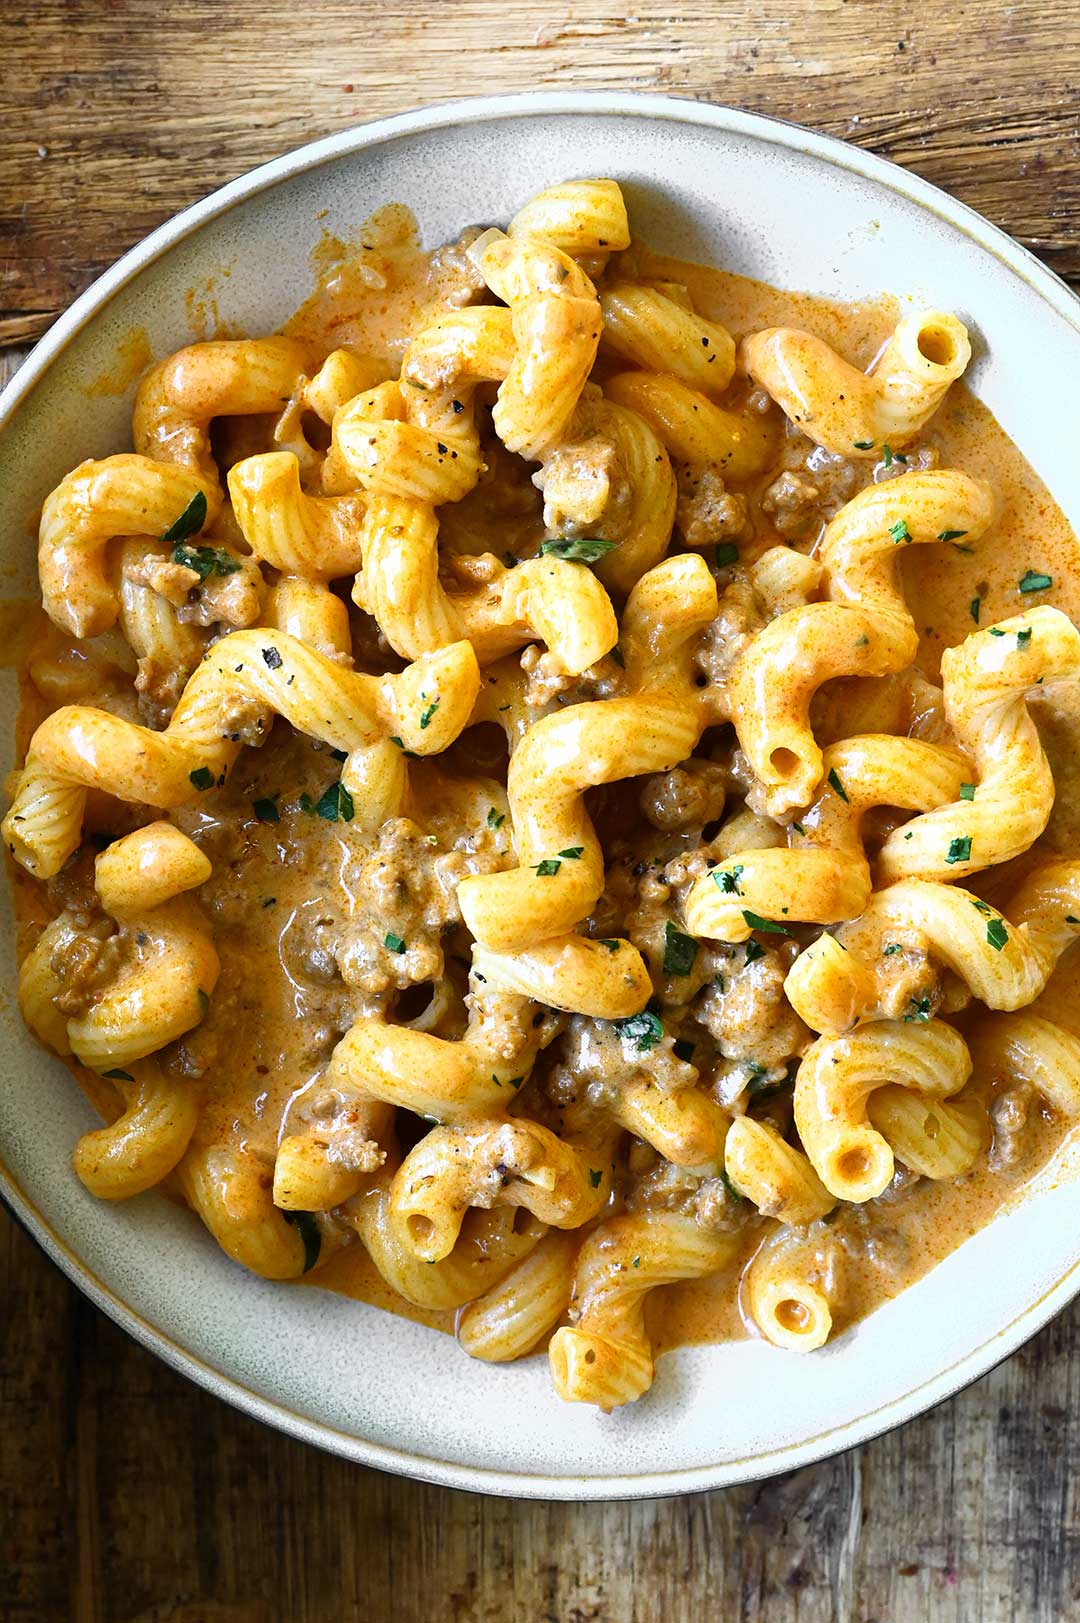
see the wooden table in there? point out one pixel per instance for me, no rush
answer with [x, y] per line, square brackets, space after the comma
[125, 1493]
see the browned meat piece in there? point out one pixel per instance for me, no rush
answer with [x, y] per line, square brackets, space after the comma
[707, 512]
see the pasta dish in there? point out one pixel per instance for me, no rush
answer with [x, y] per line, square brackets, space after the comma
[537, 804]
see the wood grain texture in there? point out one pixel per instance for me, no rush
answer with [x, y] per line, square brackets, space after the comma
[126, 1494]
[119, 112]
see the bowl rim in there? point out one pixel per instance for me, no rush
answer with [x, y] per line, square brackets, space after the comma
[828, 149]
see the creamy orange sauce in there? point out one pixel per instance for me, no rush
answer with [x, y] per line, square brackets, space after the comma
[278, 886]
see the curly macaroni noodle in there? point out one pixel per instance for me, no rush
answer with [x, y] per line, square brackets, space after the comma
[666, 972]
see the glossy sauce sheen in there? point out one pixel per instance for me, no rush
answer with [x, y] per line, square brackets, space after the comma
[278, 885]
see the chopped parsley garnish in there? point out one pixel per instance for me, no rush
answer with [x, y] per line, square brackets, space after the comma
[679, 951]
[267, 810]
[899, 531]
[729, 1186]
[893, 948]
[967, 791]
[1035, 581]
[644, 1030]
[981, 907]
[754, 951]
[863, 445]
[727, 879]
[684, 1050]
[1023, 637]
[339, 755]
[595, 1178]
[959, 849]
[1071, 918]
[726, 553]
[616, 654]
[798, 828]
[396, 943]
[886, 456]
[495, 819]
[118, 1076]
[756, 922]
[833, 781]
[394, 739]
[514, 1081]
[205, 561]
[307, 1227]
[996, 934]
[271, 659]
[636, 1263]
[577, 549]
[572, 852]
[996, 631]
[950, 535]
[334, 805]
[545, 869]
[428, 712]
[920, 1009]
[975, 605]
[191, 520]
[202, 777]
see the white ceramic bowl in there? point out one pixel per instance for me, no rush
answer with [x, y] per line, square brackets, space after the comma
[763, 198]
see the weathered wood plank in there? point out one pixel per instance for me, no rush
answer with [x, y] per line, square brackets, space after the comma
[118, 116]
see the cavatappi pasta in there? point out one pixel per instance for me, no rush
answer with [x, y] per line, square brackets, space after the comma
[546, 797]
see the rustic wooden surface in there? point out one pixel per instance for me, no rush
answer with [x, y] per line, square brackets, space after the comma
[125, 1493]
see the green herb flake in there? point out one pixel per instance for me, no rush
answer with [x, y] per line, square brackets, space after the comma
[863, 445]
[191, 520]
[426, 714]
[118, 1076]
[729, 1186]
[612, 946]
[1035, 581]
[727, 553]
[616, 655]
[996, 631]
[1023, 637]
[1071, 918]
[973, 608]
[202, 777]
[799, 829]
[306, 1225]
[394, 739]
[396, 943]
[643, 1030]
[754, 951]
[548, 868]
[267, 810]
[206, 561]
[679, 951]
[572, 852]
[727, 879]
[899, 531]
[981, 907]
[577, 549]
[684, 1050]
[834, 783]
[756, 922]
[495, 819]
[514, 1081]
[886, 456]
[996, 934]
[967, 791]
[335, 805]
[951, 535]
[892, 949]
[920, 1010]
[636, 1263]
[595, 1178]
[959, 849]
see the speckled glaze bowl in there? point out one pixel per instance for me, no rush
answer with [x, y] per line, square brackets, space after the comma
[766, 199]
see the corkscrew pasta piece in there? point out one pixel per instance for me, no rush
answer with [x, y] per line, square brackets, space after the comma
[853, 413]
[432, 1076]
[315, 537]
[988, 680]
[165, 963]
[865, 630]
[692, 428]
[1004, 961]
[1028, 1048]
[605, 1356]
[643, 326]
[605, 979]
[147, 1139]
[96, 503]
[167, 648]
[309, 611]
[325, 1163]
[231, 1191]
[514, 1316]
[556, 321]
[835, 1079]
[561, 874]
[684, 1125]
[824, 877]
[579, 217]
[936, 1138]
[77, 748]
[493, 1161]
[786, 1292]
[178, 399]
[775, 1176]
